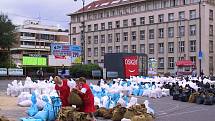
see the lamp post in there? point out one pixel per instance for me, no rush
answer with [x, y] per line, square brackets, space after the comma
[83, 33]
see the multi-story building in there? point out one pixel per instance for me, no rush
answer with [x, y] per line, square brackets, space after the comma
[166, 30]
[34, 38]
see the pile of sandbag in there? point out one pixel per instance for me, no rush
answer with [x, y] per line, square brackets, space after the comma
[2, 118]
[118, 113]
[71, 114]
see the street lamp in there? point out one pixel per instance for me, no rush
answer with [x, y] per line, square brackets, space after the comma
[83, 33]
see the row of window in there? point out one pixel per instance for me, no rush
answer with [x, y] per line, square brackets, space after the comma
[141, 21]
[133, 8]
[151, 35]
[34, 43]
[38, 36]
[151, 49]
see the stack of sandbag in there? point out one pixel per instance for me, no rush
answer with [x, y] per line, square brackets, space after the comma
[71, 114]
[2, 118]
[118, 113]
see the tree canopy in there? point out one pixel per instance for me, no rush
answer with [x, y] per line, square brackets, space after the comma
[7, 32]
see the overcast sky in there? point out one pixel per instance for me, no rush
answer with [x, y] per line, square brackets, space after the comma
[50, 12]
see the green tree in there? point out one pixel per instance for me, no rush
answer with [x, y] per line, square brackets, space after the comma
[7, 39]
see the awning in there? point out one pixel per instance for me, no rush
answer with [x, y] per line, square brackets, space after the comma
[184, 63]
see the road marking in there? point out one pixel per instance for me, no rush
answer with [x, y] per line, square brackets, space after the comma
[187, 112]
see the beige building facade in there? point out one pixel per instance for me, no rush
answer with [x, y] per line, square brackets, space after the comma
[35, 38]
[165, 30]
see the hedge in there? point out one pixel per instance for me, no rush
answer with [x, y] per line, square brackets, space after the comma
[83, 70]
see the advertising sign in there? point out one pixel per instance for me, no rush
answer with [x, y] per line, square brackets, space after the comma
[59, 60]
[112, 74]
[36, 61]
[67, 73]
[3, 71]
[15, 72]
[152, 66]
[131, 66]
[72, 51]
[96, 73]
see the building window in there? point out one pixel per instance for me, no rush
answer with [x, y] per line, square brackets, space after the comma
[109, 25]
[74, 41]
[171, 62]
[142, 34]
[125, 23]
[171, 17]
[133, 22]
[161, 18]
[151, 19]
[142, 20]
[211, 15]
[133, 48]
[125, 36]
[211, 46]
[110, 49]
[193, 59]
[133, 9]
[192, 30]
[142, 48]
[211, 30]
[89, 40]
[181, 46]
[95, 27]
[117, 49]
[102, 38]
[102, 26]
[151, 34]
[102, 60]
[102, 51]
[151, 48]
[95, 61]
[96, 52]
[96, 39]
[171, 32]
[125, 48]
[73, 30]
[89, 28]
[192, 14]
[161, 33]
[117, 24]
[181, 31]
[161, 47]
[171, 47]
[160, 63]
[193, 46]
[181, 15]
[89, 52]
[133, 34]
[211, 65]
[110, 37]
[88, 61]
[117, 37]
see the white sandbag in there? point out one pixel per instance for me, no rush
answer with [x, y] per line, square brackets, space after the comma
[122, 102]
[104, 101]
[133, 101]
[125, 119]
[149, 110]
[97, 101]
[26, 103]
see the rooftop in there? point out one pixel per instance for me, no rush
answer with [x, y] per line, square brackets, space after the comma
[104, 4]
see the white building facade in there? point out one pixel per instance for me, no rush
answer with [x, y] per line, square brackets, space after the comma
[166, 30]
[34, 38]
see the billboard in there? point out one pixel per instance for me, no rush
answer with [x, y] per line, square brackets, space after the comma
[15, 72]
[3, 71]
[34, 61]
[152, 66]
[73, 51]
[59, 60]
[131, 66]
